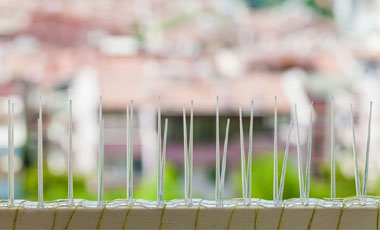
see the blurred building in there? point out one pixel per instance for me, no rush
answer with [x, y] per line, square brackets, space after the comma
[183, 51]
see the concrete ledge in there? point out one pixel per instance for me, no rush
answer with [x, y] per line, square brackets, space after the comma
[343, 215]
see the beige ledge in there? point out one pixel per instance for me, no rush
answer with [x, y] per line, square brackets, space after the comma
[195, 217]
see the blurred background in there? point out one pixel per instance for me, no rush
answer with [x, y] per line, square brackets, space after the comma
[297, 50]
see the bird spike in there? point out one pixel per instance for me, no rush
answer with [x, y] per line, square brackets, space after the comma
[357, 178]
[242, 157]
[70, 163]
[275, 165]
[250, 150]
[217, 160]
[159, 151]
[282, 181]
[308, 160]
[101, 155]
[299, 156]
[332, 143]
[221, 190]
[162, 168]
[40, 160]
[364, 193]
[190, 158]
[10, 154]
[185, 155]
[130, 154]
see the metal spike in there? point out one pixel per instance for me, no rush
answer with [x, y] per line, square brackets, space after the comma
[357, 178]
[101, 155]
[217, 160]
[188, 162]
[299, 156]
[40, 160]
[130, 154]
[127, 165]
[220, 200]
[364, 193]
[190, 159]
[10, 154]
[275, 165]
[250, 151]
[185, 155]
[70, 163]
[283, 173]
[332, 136]
[162, 169]
[159, 150]
[308, 160]
[242, 157]
[164, 155]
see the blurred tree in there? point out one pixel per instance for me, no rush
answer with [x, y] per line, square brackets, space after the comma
[320, 8]
[55, 186]
[147, 189]
[258, 4]
[262, 180]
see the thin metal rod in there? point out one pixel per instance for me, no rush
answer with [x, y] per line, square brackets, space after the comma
[250, 151]
[275, 164]
[188, 162]
[127, 170]
[9, 146]
[217, 160]
[70, 158]
[185, 155]
[159, 158]
[284, 163]
[242, 157]
[130, 154]
[40, 159]
[164, 156]
[332, 143]
[364, 193]
[101, 155]
[357, 178]
[299, 156]
[131, 130]
[308, 160]
[162, 169]
[190, 159]
[10, 154]
[220, 200]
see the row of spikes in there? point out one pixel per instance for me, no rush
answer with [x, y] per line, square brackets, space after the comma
[246, 171]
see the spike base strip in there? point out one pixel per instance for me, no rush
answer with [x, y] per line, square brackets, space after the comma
[292, 214]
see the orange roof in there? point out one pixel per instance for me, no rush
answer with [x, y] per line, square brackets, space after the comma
[123, 79]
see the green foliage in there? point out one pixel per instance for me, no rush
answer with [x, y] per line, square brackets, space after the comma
[320, 184]
[147, 189]
[55, 186]
[177, 20]
[258, 4]
[262, 180]
[319, 9]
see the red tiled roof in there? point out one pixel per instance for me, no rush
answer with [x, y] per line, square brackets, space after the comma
[124, 79]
